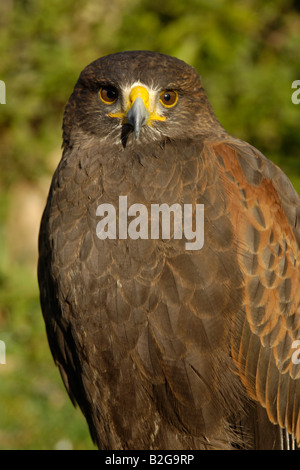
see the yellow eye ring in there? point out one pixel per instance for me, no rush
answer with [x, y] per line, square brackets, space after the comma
[108, 94]
[168, 98]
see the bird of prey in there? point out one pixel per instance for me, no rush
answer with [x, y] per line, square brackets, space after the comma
[184, 336]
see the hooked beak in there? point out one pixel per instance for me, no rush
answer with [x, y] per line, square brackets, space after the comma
[138, 114]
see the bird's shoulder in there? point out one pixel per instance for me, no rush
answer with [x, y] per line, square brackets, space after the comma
[254, 184]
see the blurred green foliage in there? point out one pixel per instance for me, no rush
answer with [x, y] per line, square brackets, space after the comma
[247, 53]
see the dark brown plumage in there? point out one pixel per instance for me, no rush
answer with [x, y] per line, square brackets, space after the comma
[164, 347]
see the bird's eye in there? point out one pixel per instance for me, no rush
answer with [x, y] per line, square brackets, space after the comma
[108, 94]
[168, 98]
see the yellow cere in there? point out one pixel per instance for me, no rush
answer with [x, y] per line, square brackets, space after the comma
[138, 92]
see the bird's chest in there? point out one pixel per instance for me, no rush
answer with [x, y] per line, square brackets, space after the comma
[131, 257]
[118, 223]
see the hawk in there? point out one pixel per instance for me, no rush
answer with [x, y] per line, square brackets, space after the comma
[164, 346]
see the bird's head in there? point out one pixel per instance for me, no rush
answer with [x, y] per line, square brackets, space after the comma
[136, 97]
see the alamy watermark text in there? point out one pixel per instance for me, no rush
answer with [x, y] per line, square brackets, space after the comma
[296, 94]
[2, 353]
[183, 222]
[2, 92]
